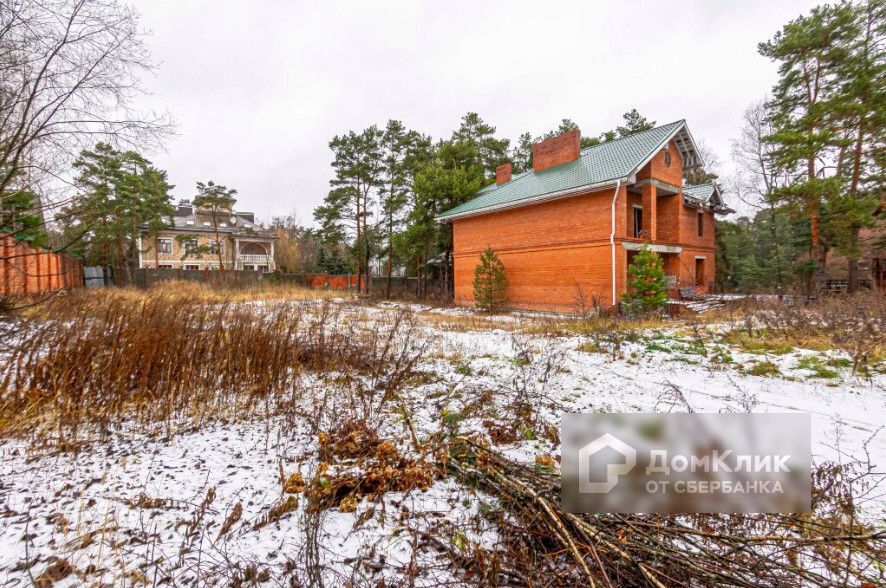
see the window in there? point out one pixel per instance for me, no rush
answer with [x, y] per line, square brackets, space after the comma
[164, 245]
[667, 159]
[223, 225]
[165, 266]
[214, 247]
[207, 224]
[700, 224]
[192, 266]
[189, 222]
[699, 271]
[638, 221]
[191, 245]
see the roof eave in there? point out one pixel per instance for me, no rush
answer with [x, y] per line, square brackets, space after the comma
[533, 200]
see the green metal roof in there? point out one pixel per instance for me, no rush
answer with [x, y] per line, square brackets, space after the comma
[699, 192]
[706, 194]
[609, 161]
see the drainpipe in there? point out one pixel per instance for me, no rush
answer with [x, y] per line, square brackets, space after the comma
[612, 241]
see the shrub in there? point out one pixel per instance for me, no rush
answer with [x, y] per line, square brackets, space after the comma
[490, 282]
[647, 285]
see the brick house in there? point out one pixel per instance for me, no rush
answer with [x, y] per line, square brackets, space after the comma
[567, 229]
[189, 242]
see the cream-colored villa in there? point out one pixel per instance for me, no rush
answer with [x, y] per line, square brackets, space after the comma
[189, 242]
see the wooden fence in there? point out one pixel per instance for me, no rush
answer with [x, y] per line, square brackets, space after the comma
[26, 270]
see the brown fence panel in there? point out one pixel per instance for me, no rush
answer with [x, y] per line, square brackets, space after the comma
[28, 270]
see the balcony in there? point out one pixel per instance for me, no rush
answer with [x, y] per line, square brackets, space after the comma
[252, 258]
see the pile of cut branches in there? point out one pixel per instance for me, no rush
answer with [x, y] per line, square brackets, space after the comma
[543, 546]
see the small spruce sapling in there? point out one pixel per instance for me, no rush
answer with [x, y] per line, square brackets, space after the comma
[647, 284]
[490, 282]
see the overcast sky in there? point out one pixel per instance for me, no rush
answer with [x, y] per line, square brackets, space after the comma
[258, 92]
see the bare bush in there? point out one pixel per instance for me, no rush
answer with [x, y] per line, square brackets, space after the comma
[853, 324]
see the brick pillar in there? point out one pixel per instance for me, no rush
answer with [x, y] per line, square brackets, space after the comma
[650, 210]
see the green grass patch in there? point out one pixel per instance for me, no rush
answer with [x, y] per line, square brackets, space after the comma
[818, 368]
[721, 357]
[464, 369]
[656, 346]
[692, 348]
[685, 360]
[765, 368]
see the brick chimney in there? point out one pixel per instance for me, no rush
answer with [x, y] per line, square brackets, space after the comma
[556, 150]
[503, 174]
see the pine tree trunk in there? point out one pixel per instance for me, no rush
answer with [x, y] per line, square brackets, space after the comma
[367, 252]
[819, 256]
[121, 251]
[358, 245]
[773, 229]
[390, 254]
[853, 274]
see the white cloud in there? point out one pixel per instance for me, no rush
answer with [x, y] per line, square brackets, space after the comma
[259, 91]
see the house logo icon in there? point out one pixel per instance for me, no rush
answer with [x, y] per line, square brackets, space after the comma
[613, 470]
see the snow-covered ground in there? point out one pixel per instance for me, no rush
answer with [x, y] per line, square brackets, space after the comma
[150, 509]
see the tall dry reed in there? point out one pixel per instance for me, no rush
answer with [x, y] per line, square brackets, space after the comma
[99, 359]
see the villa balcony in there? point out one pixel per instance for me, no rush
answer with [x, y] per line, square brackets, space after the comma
[251, 258]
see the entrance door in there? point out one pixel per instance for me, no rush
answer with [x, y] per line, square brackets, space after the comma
[699, 272]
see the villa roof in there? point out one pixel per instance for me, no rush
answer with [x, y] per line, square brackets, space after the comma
[597, 166]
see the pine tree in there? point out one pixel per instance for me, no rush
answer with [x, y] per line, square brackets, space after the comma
[403, 152]
[119, 194]
[357, 161]
[647, 285]
[861, 107]
[490, 151]
[810, 51]
[218, 202]
[634, 123]
[490, 282]
[452, 177]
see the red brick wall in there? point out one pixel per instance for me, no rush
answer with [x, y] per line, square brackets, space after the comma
[686, 274]
[556, 150]
[656, 168]
[550, 251]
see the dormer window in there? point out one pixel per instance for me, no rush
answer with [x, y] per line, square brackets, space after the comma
[223, 225]
[207, 224]
[189, 222]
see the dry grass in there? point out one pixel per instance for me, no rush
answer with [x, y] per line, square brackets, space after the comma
[855, 325]
[102, 358]
[197, 292]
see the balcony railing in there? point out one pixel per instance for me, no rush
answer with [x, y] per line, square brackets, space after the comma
[252, 258]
